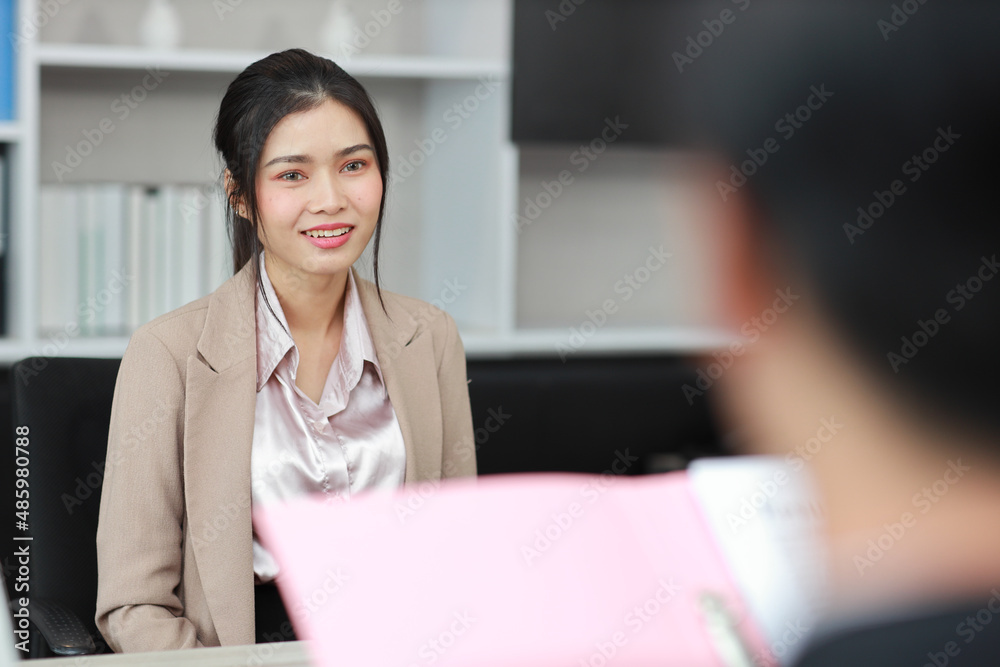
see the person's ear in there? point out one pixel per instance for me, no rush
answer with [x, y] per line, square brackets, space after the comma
[232, 196]
[748, 274]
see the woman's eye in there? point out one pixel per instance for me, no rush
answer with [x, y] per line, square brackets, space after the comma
[355, 165]
[291, 176]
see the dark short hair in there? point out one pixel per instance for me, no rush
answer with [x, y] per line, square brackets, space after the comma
[257, 99]
[915, 105]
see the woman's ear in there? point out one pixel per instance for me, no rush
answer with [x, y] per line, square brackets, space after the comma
[232, 196]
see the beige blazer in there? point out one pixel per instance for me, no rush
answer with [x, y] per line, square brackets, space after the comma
[175, 564]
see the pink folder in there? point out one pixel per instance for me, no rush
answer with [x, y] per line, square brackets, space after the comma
[511, 570]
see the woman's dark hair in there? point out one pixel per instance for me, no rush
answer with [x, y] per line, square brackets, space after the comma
[257, 99]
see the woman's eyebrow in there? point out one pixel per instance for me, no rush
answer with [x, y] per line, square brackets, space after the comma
[294, 159]
[305, 159]
[344, 152]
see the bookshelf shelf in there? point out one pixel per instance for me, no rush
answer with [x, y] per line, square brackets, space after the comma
[12, 351]
[549, 342]
[478, 345]
[233, 62]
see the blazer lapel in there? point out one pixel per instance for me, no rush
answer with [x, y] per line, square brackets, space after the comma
[406, 357]
[220, 404]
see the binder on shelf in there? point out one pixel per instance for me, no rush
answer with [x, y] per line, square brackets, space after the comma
[88, 233]
[5, 227]
[219, 250]
[189, 227]
[68, 253]
[112, 292]
[8, 67]
[51, 280]
[115, 256]
[149, 268]
[134, 211]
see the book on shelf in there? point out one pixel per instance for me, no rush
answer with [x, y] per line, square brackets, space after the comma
[8, 61]
[127, 254]
[5, 225]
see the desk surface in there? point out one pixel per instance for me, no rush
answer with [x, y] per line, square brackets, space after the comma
[287, 654]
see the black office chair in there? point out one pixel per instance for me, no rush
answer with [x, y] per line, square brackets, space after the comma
[65, 405]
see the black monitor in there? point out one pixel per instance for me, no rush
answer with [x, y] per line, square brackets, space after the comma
[578, 63]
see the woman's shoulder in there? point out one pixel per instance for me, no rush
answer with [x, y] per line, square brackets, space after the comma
[180, 329]
[401, 309]
[177, 330]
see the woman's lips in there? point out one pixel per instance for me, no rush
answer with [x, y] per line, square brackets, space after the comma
[331, 237]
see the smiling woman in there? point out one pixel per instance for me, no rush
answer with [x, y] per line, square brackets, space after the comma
[295, 377]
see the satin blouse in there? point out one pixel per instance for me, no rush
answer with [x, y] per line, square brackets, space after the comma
[349, 442]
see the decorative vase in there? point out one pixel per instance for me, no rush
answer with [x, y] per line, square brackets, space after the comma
[337, 35]
[161, 26]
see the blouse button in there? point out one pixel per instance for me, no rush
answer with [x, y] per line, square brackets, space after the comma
[319, 425]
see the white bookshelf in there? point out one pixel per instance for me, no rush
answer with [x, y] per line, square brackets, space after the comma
[452, 219]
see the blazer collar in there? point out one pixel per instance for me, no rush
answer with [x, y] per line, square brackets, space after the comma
[408, 366]
[391, 326]
[230, 333]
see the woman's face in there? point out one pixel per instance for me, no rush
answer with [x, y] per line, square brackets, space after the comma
[318, 191]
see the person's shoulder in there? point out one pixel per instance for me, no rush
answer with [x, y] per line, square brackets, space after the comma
[908, 635]
[178, 330]
[408, 308]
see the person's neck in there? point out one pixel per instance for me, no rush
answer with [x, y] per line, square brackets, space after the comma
[912, 504]
[313, 304]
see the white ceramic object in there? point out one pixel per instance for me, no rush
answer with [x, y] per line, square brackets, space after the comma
[161, 26]
[337, 35]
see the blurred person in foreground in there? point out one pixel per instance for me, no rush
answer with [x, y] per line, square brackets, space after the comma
[879, 207]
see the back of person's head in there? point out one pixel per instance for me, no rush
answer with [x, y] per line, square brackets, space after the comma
[866, 136]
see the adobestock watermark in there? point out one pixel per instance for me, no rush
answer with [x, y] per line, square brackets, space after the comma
[427, 313]
[562, 12]
[309, 604]
[634, 621]
[777, 650]
[580, 159]
[454, 116]
[898, 17]
[420, 493]
[697, 44]
[560, 522]
[786, 126]
[957, 298]
[44, 11]
[495, 419]
[751, 506]
[751, 330]
[366, 33]
[828, 429]
[967, 630]
[923, 501]
[625, 288]
[263, 654]
[437, 646]
[914, 168]
[88, 310]
[121, 107]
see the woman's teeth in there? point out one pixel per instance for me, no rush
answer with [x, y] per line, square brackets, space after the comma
[323, 233]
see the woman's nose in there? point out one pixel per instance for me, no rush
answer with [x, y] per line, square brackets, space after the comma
[327, 197]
